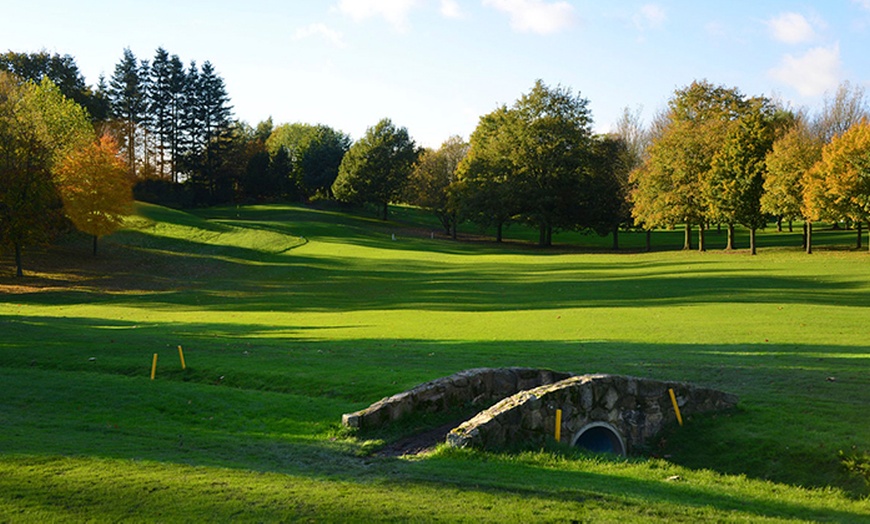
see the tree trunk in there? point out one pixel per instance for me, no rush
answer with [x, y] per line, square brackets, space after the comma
[730, 242]
[702, 245]
[545, 235]
[453, 225]
[19, 271]
[687, 243]
[752, 241]
[790, 228]
[858, 226]
[498, 232]
[804, 237]
[779, 224]
[616, 237]
[648, 240]
[385, 211]
[809, 226]
[95, 245]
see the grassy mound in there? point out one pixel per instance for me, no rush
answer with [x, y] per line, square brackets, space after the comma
[290, 316]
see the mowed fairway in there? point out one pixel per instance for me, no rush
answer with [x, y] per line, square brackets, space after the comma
[290, 316]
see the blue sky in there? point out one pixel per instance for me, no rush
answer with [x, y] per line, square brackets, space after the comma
[436, 66]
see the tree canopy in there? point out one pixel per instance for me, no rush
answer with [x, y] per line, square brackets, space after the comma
[38, 128]
[376, 167]
[673, 186]
[713, 156]
[838, 188]
[530, 162]
[433, 174]
[95, 188]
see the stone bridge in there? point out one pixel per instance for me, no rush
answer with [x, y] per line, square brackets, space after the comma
[609, 413]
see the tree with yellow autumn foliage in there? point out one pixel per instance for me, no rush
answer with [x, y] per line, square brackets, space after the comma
[838, 187]
[95, 187]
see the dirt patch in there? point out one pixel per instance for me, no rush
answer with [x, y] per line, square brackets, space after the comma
[419, 443]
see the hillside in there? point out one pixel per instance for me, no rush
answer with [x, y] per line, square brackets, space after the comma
[289, 316]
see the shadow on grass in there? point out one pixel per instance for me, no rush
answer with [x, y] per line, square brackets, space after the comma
[622, 490]
[288, 390]
[191, 274]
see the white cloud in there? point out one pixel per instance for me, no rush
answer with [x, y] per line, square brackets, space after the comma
[791, 28]
[813, 73]
[536, 16]
[321, 30]
[450, 9]
[650, 16]
[393, 11]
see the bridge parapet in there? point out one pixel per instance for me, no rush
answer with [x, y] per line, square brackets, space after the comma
[480, 387]
[635, 408]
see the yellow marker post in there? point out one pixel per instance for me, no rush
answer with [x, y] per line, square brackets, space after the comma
[181, 355]
[558, 425]
[153, 366]
[676, 407]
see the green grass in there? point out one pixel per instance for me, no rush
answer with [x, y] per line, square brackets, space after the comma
[290, 316]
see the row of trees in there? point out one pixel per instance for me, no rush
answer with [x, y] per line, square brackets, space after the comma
[718, 157]
[714, 156]
[536, 162]
[173, 122]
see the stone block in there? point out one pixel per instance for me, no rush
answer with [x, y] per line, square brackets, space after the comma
[350, 420]
[627, 401]
[611, 398]
[459, 381]
[504, 383]
[532, 420]
[587, 398]
[400, 409]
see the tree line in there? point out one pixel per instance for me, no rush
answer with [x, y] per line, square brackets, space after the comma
[714, 156]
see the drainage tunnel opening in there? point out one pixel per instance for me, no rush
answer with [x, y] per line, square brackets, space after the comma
[600, 438]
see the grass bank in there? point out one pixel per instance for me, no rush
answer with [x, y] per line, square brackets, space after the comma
[290, 316]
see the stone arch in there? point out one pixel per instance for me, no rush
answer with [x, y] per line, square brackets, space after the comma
[520, 406]
[600, 437]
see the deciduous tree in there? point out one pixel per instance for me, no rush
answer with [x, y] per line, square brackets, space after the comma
[63, 71]
[319, 158]
[483, 191]
[534, 158]
[376, 167]
[839, 186]
[612, 160]
[839, 113]
[790, 159]
[736, 180]
[38, 127]
[669, 187]
[96, 190]
[550, 145]
[432, 175]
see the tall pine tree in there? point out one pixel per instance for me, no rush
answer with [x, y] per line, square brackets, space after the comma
[159, 107]
[128, 104]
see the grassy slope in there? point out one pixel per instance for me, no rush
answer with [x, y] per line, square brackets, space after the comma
[291, 316]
